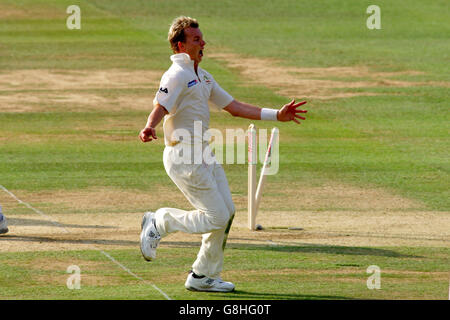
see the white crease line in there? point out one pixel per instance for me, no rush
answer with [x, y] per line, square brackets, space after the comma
[134, 275]
[57, 224]
[101, 251]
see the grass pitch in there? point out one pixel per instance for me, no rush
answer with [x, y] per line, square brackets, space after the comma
[365, 176]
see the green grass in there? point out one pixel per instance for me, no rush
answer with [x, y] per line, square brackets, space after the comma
[401, 141]
[288, 273]
[397, 140]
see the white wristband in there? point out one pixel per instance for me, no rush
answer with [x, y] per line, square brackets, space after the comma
[269, 114]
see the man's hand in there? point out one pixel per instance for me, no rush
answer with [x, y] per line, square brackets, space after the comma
[289, 112]
[147, 134]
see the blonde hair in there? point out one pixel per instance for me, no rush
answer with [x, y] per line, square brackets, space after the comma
[176, 31]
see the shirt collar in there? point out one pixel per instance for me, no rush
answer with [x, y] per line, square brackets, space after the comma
[182, 58]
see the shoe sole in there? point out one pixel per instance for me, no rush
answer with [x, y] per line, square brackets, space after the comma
[146, 216]
[142, 251]
[145, 258]
[206, 290]
[144, 220]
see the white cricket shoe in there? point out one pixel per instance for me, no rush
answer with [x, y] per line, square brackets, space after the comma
[207, 284]
[150, 236]
[3, 224]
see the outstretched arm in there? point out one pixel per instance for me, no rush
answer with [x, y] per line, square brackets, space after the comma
[288, 112]
[155, 117]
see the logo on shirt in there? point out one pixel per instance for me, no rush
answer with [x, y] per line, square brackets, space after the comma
[192, 83]
[164, 90]
[206, 79]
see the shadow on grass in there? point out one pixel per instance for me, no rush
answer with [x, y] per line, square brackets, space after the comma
[10, 237]
[240, 294]
[341, 250]
[362, 251]
[34, 222]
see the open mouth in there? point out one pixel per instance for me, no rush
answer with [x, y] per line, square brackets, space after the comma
[200, 53]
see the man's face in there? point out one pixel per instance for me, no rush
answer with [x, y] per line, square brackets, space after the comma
[193, 44]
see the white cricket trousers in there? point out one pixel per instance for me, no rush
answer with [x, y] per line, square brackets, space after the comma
[206, 188]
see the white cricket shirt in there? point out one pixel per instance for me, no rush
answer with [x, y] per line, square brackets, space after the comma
[185, 96]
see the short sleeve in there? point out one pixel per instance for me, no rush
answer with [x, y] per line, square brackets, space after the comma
[220, 97]
[169, 91]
